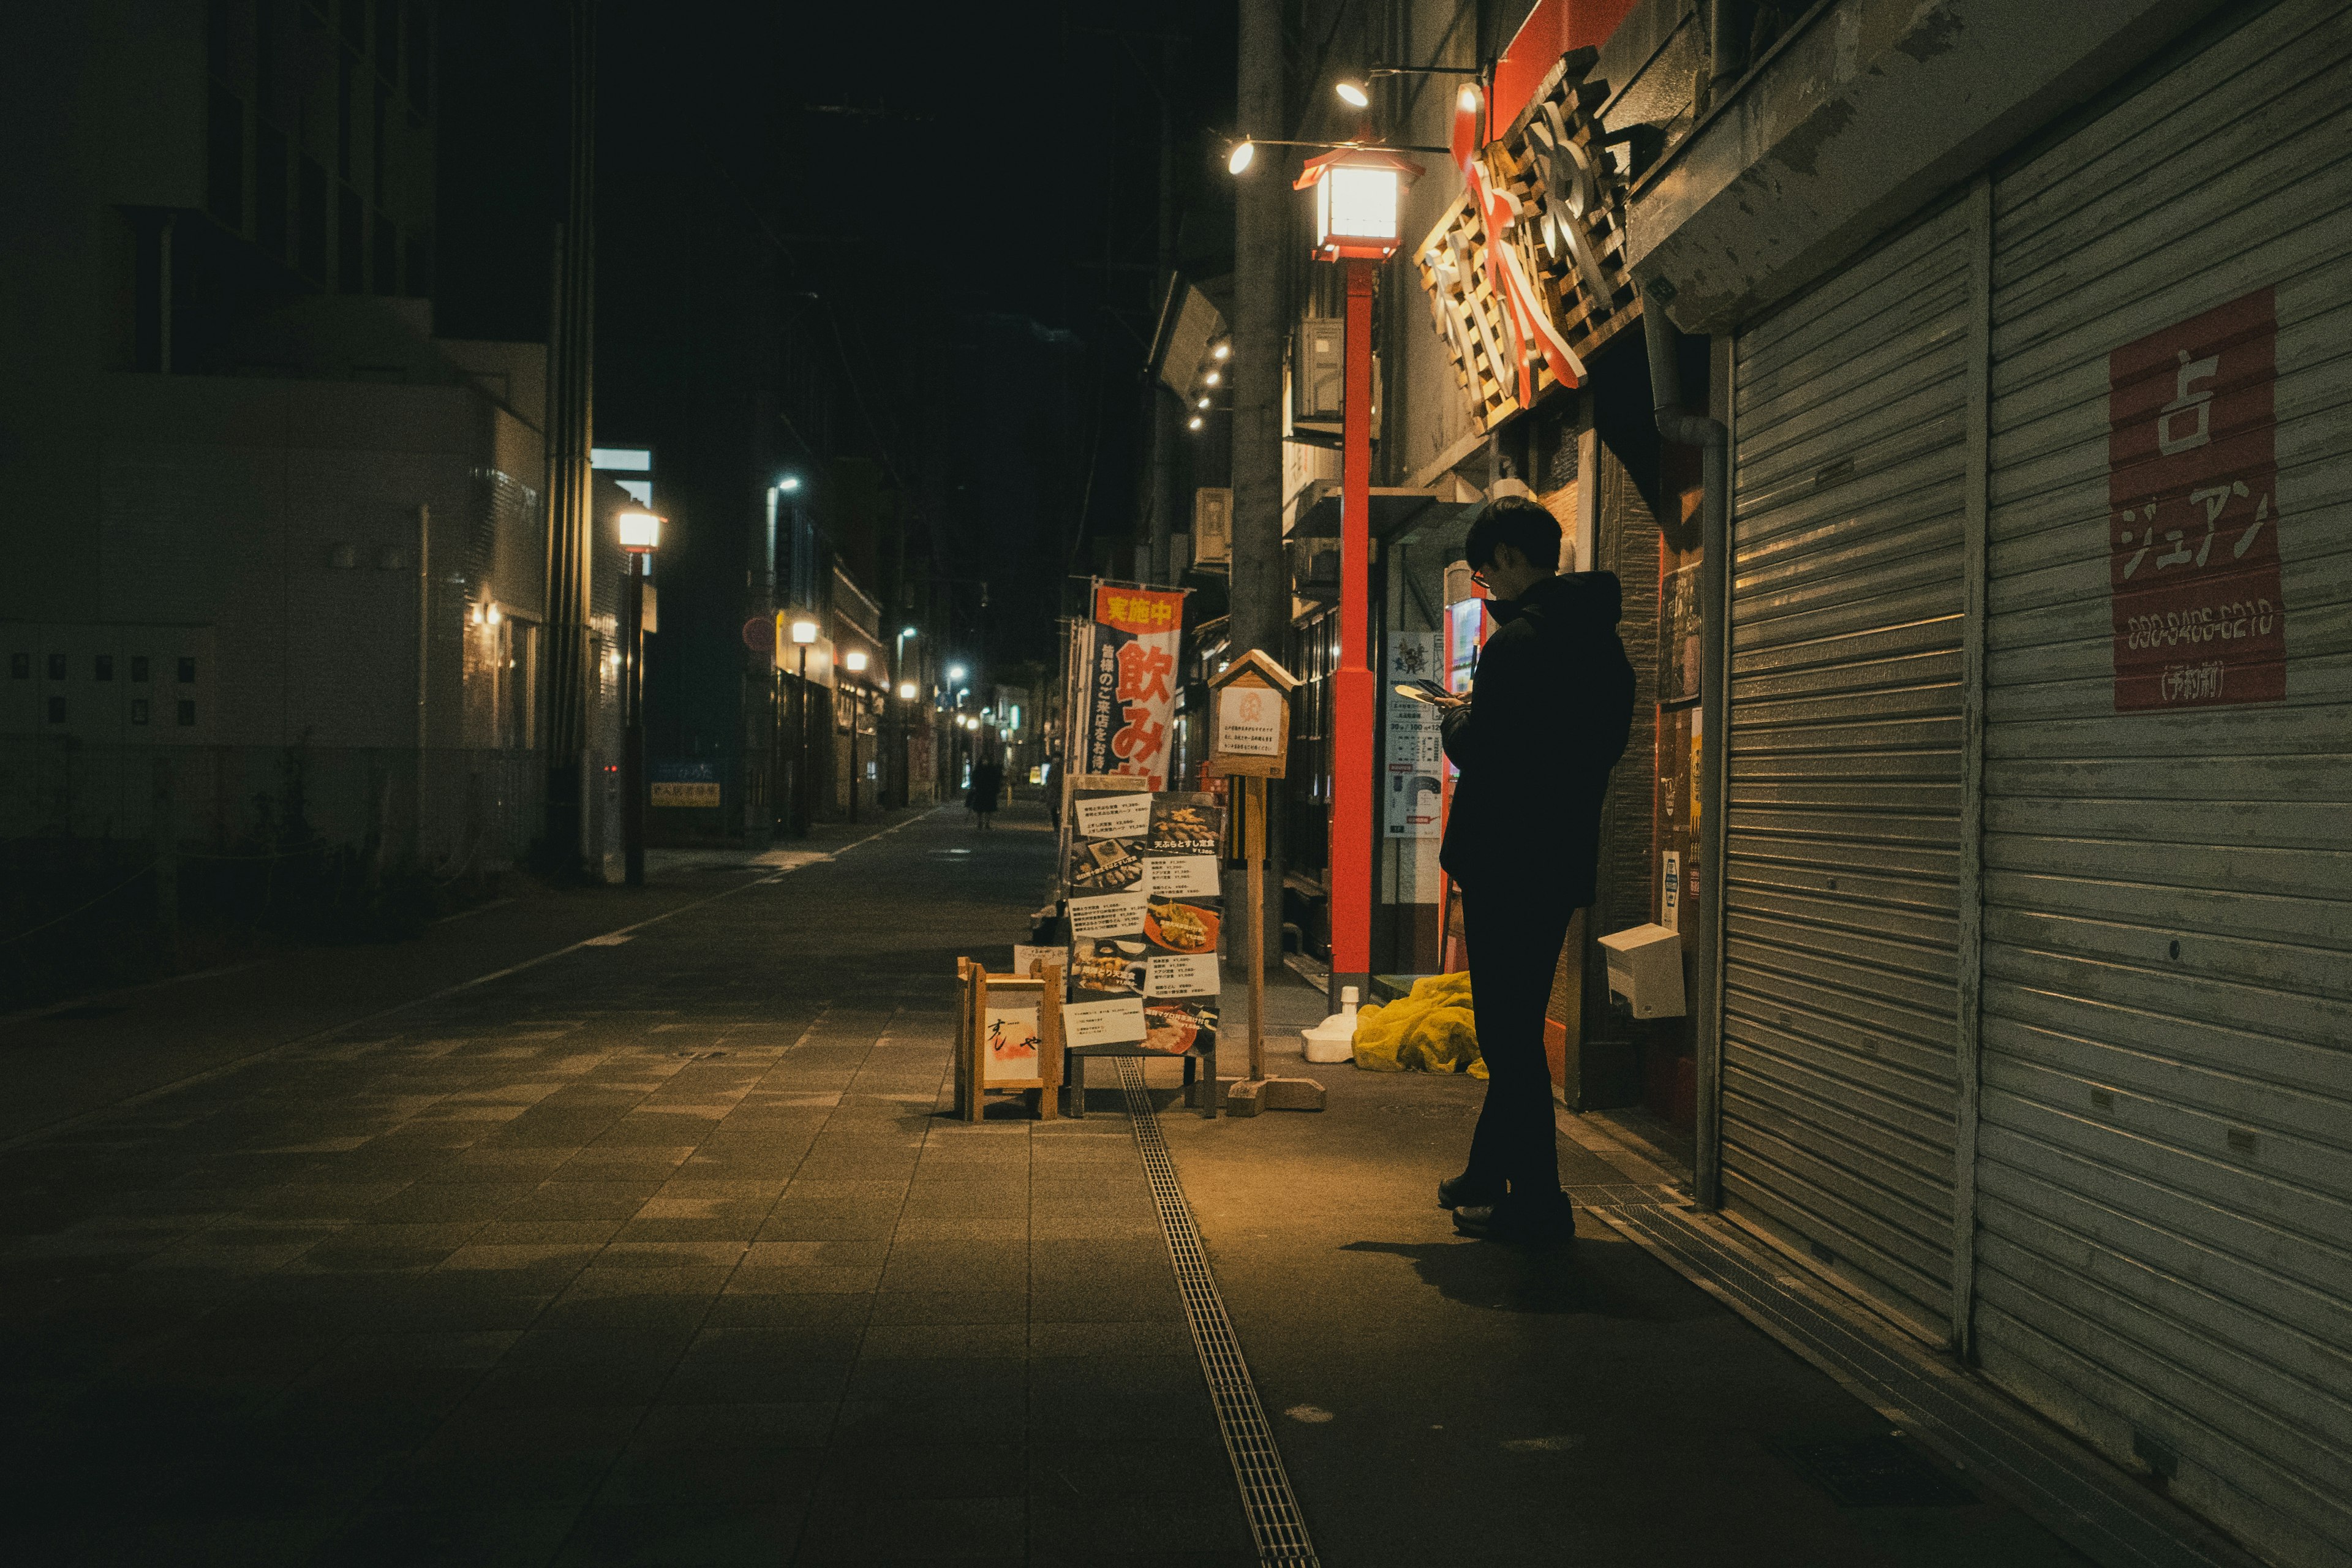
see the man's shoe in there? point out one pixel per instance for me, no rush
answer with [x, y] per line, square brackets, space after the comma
[1456, 1191]
[1547, 1219]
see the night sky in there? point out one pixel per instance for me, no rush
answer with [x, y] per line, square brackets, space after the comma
[961, 201]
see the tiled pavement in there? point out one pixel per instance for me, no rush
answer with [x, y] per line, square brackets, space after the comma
[665, 1252]
[658, 1252]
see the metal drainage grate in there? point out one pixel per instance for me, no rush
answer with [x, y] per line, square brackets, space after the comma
[1274, 1517]
[1879, 1471]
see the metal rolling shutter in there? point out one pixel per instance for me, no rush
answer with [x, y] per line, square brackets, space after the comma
[1843, 808]
[2165, 1151]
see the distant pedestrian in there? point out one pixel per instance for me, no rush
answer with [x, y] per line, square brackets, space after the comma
[987, 784]
[1052, 781]
[1546, 721]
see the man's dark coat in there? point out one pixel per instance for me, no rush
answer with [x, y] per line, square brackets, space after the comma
[1549, 712]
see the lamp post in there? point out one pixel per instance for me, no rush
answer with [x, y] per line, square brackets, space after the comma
[853, 661]
[900, 688]
[803, 634]
[1357, 191]
[640, 537]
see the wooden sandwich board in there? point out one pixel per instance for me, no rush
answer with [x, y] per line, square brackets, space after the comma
[1008, 1037]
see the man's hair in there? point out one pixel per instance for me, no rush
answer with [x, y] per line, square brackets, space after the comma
[1519, 522]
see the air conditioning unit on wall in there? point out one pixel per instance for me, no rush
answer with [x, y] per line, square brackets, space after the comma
[1318, 376]
[1213, 525]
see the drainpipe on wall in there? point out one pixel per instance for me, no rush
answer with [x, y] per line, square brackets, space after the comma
[1726, 51]
[1687, 430]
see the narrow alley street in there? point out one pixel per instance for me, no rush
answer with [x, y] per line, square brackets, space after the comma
[664, 1250]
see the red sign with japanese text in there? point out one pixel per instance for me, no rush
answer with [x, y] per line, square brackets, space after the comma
[2192, 495]
[1131, 688]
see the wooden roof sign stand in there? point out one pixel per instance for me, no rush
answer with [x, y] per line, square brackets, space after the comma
[1249, 742]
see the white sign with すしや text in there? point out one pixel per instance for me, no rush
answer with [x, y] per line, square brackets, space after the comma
[1116, 815]
[1249, 722]
[1181, 877]
[1112, 914]
[1180, 974]
[1114, 1023]
[1010, 1042]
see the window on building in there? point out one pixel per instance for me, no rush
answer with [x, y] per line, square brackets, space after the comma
[101, 667]
[188, 672]
[56, 666]
[57, 710]
[139, 667]
[420, 56]
[417, 275]
[139, 711]
[311, 223]
[272, 209]
[351, 242]
[387, 257]
[224, 156]
[223, 25]
[187, 713]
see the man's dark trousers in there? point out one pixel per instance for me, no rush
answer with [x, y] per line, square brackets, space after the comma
[1515, 944]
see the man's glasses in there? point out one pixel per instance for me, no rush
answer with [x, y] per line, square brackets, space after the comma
[1480, 578]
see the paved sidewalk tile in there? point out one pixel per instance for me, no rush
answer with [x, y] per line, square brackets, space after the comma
[660, 1252]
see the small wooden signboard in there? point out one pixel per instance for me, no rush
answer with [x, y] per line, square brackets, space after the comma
[1249, 718]
[1008, 1037]
[1249, 739]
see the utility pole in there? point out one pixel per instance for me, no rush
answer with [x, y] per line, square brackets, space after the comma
[1261, 598]
[572, 348]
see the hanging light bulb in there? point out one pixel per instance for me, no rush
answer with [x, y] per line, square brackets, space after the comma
[1352, 93]
[1194, 423]
[1239, 160]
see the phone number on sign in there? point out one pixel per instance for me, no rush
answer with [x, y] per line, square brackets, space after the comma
[2208, 623]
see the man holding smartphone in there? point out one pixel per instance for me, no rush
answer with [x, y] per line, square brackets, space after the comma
[1546, 721]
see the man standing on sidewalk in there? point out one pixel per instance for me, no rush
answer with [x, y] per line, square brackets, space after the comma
[1546, 721]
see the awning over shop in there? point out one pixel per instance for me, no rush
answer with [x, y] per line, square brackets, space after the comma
[1394, 511]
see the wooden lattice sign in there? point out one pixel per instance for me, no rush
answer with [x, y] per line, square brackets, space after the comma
[1562, 251]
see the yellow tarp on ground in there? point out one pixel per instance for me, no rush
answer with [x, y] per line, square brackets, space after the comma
[1429, 1030]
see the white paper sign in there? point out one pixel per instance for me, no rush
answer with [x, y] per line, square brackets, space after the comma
[1116, 815]
[1181, 877]
[1024, 956]
[1249, 722]
[1112, 914]
[1113, 1023]
[1180, 974]
[1010, 1044]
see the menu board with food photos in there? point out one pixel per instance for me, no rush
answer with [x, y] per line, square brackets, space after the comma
[1146, 909]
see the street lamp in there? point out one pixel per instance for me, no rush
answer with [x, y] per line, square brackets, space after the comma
[1357, 191]
[640, 537]
[789, 483]
[803, 632]
[906, 691]
[853, 661]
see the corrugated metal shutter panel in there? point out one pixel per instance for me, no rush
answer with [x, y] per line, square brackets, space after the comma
[2165, 1156]
[1843, 812]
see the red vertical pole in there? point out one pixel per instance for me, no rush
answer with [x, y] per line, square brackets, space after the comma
[1353, 703]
